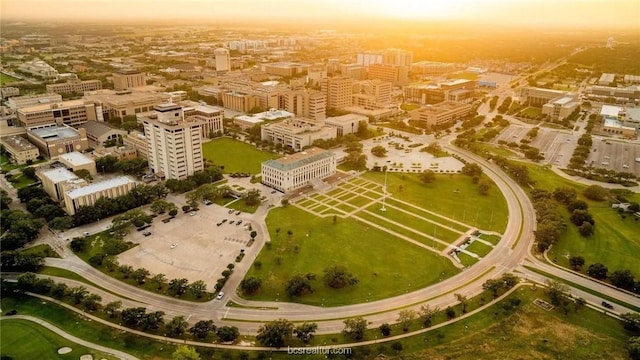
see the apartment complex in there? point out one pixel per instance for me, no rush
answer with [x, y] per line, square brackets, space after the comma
[338, 91]
[295, 171]
[79, 194]
[20, 150]
[297, 133]
[72, 113]
[441, 114]
[127, 79]
[560, 108]
[55, 140]
[18, 102]
[306, 103]
[75, 86]
[174, 146]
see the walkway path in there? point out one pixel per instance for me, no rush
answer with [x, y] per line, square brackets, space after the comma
[119, 354]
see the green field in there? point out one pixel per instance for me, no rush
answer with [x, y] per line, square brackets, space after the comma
[235, 155]
[531, 111]
[362, 249]
[466, 205]
[464, 75]
[22, 339]
[615, 242]
[5, 79]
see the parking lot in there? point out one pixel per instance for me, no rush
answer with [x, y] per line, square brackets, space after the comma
[614, 155]
[555, 145]
[202, 249]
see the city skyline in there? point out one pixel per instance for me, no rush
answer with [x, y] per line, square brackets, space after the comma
[562, 13]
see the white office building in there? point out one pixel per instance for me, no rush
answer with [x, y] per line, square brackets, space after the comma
[295, 171]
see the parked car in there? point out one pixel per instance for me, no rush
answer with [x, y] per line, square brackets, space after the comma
[607, 305]
[174, 245]
[220, 295]
[146, 233]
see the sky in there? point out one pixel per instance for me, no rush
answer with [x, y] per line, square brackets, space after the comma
[565, 13]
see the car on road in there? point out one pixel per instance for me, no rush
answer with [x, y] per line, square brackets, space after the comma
[174, 245]
[231, 222]
[231, 211]
[238, 212]
[223, 221]
[86, 233]
[238, 222]
[220, 295]
[274, 191]
[207, 202]
[146, 233]
[607, 305]
[193, 213]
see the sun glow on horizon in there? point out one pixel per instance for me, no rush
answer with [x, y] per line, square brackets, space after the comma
[421, 9]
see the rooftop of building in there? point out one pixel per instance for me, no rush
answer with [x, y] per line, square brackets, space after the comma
[120, 98]
[58, 175]
[76, 159]
[99, 186]
[610, 110]
[616, 124]
[98, 128]
[296, 160]
[632, 113]
[454, 82]
[285, 64]
[53, 105]
[346, 118]
[564, 100]
[128, 72]
[164, 107]
[446, 105]
[54, 133]
[17, 142]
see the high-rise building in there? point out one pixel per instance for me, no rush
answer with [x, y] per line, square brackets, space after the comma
[128, 78]
[397, 57]
[308, 104]
[338, 91]
[174, 145]
[223, 59]
[395, 74]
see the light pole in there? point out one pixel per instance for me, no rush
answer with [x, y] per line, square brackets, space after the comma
[384, 192]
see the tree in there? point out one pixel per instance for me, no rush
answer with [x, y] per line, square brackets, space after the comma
[298, 285]
[598, 271]
[132, 317]
[250, 285]
[631, 321]
[576, 262]
[463, 300]
[577, 205]
[472, 170]
[253, 234]
[184, 352]
[427, 313]
[622, 279]
[198, 288]
[91, 302]
[595, 193]
[5, 200]
[338, 276]
[405, 318]
[159, 280]
[397, 347]
[509, 280]
[427, 177]
[61, 223]
[140, 275]
[484, 186]
[112, 309]
[565, 195]
[178, 286]
[228, 333]
[450, 312]
[385, 329]
[26, 281]
[152, 320]
[634, 347]
[355, 328]
[176, 327]
[379, 151]
[252, 197]
[586, 229]
[78, 294]
[202, 328]
[493, 285]
[29, 172]
[173, 212]
[275, 333]
[557, 292]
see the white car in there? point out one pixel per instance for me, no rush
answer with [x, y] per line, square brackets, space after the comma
[193, 213]
[174, 245]
[220, 295]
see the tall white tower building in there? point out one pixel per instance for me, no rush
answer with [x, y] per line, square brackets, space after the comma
[223, 59]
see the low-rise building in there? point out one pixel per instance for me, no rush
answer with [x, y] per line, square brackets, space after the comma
[54, 181]
[99, 132]
[118, 104]
[76, 86]
[83, 194]
[210, 117]
[560, 108]
[346, 124]
[8, 91]
[39, 68]
[20, 150]
[137, 141]
[297, 133]
[18, 102]
[538, 96]
[613, 122]
[248, 121]
[441, 114]
[78, 161]
[128, 78]
[55, 140]
[72, 113]
[295, 171]
[285, 69]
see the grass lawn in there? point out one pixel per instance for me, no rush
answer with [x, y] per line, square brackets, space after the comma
[42, 249]
[235, 155]
[236, 204]
[467, 205]
[362, 249]
[20, 181]
[479, 248]
[5, 79]
[490, 238]
[498, 150]
[531, 111]
[409, 106]
[22, 339]
[615, 241]
[466, 260]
